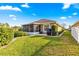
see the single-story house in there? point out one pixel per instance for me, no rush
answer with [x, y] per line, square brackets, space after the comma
[42, 25]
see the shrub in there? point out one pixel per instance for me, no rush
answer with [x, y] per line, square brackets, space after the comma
[19, 33]
[6, 35]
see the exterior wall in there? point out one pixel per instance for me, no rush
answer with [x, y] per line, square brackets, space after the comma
[42, 27]
[59, 29]
[75, 33]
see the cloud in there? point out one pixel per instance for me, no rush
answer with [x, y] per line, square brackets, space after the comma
[66, 5]
[7, 7]
[63, 17]
[69, 16]
[25, 5]
[75, 13]
[13, 17]
[33, 14]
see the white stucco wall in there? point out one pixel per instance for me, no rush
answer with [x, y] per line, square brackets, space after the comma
[59, 28]
[75, 33]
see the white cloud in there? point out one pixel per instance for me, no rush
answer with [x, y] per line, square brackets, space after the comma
[33, 14]
[75, 13]
[7, 7]
[25, 5]
[13, 17]
[69, 16]
[63, 17]
[66, 5]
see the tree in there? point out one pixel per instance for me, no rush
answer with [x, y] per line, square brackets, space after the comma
[16, 28]
[5, 25]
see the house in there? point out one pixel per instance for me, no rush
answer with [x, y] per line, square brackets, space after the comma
[75, 31]
[41, 26]
[75, 25]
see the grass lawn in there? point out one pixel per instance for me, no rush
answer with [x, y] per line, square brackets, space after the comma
[43, 46]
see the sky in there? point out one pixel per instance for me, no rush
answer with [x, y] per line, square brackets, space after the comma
[23, 13]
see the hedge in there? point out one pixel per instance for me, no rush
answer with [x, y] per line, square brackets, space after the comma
[7, 34]
[19, 33]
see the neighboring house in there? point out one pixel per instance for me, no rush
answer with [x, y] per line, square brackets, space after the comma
[75, 25]
[75, 31]
[42, 25]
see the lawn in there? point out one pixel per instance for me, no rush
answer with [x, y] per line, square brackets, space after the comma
[43, 46]
[25, 45]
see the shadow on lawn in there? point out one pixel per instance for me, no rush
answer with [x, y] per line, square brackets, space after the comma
[44, 37]
[36, 36]
[41, 48]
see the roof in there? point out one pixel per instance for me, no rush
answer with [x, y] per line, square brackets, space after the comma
[76, 24]
[42, 21]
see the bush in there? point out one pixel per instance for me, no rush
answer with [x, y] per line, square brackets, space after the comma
[19, 33]
[6, 35]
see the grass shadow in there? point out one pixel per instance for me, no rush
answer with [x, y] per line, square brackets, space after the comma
[47, 38]
[36, 36]
[34, 54]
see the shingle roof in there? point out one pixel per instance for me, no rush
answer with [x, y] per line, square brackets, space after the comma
[41, 21]
[44, 21]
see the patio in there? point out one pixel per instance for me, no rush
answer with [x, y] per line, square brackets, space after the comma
[35, 33]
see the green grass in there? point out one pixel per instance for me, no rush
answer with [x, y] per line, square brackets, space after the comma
[42, 46]
[63, 46]
[24, 46]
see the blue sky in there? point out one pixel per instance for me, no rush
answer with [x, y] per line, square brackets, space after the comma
[23, 13]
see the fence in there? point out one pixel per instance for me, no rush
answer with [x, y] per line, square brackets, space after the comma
[75, 33]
